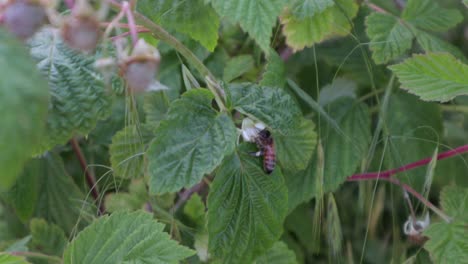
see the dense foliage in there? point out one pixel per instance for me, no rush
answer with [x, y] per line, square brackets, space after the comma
[128, 129]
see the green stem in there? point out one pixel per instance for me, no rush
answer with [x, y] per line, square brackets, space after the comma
[163, 35]
[36, 255]
[455, 108]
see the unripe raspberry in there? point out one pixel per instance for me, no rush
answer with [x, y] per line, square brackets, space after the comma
[23, 17]
[81, 29]
[139, 70]
[81, 32]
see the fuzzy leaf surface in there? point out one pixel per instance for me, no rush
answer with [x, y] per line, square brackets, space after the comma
[431, 43]
[278, 254]
[125, 237]
[414, 136]
[275, 72]
[246, 209]
[295, 150]
[191, 142]
[255, 17]
[433, 77]
[78, 96]
[23, 101]
[448, 242]
[343, 153]
[308, 8]
[47, 238]
[428, 15]
[390, 38]
[274, 107]
[237, 66]
[331, 22]
[194, 18]
[45, 190]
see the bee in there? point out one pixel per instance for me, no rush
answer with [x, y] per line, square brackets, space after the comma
[266, 146]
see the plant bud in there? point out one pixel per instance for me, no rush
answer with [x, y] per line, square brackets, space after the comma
[139, 69]
[23, 17]
[81, 32]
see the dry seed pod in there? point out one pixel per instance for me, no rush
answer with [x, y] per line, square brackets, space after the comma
[139, 69]
[23, 17]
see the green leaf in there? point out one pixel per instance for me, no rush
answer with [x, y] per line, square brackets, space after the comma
[23, 100]
[390, 38]
[125, 237]
[340, 162]
[454, 200]
[448, 242]
[255, 17]
[428, 15]
[354, 120]
[340, 87]
[78, 96]
[19, 245]
[278, 254]
[9, 259]
[334, 21]
[155, 105]
[246, 209]
[195, 210]
[194, 18]
[295, 149]
[274, 107]
[414, 128]
[303, 9]
[275, 71]
[45, 190]
[133, 200]
[433, 77]
[47, 238]
[237, 66]
[127, 151]
[190, 143]
[465, 2]
[432, 43]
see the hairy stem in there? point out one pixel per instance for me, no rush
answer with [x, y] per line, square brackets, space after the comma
[37, 255]
[90, 179]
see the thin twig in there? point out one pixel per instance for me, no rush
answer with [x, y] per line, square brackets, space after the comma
[90, 178]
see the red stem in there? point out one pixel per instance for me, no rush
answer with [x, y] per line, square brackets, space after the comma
[131, 21]
[90, 179]
[128, 33]
[387, 174]
[70, 3]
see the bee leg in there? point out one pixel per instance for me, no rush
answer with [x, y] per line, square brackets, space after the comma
[256, 154]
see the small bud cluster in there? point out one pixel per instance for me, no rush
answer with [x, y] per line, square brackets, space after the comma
[138, 64]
